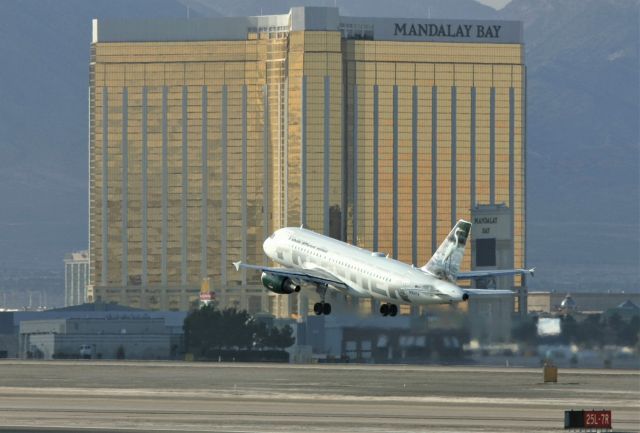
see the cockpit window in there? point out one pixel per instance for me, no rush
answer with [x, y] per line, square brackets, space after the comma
[273, 235]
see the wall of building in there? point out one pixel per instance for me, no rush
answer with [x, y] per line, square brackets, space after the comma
[62, 338]
[433, 130]
[199, 149]
[490, 318]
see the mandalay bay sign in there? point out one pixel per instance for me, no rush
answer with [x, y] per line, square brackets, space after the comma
[448, 30]
[501, 32]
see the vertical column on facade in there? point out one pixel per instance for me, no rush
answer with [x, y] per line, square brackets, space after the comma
[303, 153]
[86, 283]
[522, 191]
[76, 294]
[472, 133]
[185, 188]
[414, 175]
[454, 138]
[327, 154]
[265, 164]
[395, 172]
[223, 162]
[511, 149]
[355, 165]
[344, 164]
[244, 183]
[165, 192]
[76, 284]
[522, 291]
[67, 288]
[71, 285]
[284, 132]
[105, 189]
[375, 167]
[434, 168]
[204, 202]
[76, 291]
[125, 196]
[492, 146]
[143, 207]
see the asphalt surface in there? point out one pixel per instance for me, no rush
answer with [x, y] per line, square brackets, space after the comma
[88, 396]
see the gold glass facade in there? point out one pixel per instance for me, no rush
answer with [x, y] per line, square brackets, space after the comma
[199, 149]
[434, 129]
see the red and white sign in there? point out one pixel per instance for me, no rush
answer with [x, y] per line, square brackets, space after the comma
[595, 419]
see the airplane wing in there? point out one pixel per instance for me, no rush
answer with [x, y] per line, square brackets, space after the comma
[307, 275]
[496, 273]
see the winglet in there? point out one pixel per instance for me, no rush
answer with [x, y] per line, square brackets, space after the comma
[237, 265]
[532, 270]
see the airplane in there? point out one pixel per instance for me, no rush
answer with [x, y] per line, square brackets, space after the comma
[326, 263]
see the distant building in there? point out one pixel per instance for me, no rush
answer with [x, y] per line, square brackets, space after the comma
[97, 338]
[207, 135]
[373, 339]
[76, 278]
[626, 310]
[107, 314]
[549, 302]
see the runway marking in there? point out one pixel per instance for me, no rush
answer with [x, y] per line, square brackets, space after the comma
[366, 367]
[261, 395]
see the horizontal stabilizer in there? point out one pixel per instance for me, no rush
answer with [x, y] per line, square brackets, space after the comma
[493, 273]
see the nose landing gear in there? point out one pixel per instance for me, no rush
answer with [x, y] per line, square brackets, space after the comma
[389, 310]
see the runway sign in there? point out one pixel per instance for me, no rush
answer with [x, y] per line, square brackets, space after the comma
[587, 419]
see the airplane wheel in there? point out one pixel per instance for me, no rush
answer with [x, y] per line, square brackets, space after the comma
[384, 309]
[326, 309]
[393, 310]
[317, 308]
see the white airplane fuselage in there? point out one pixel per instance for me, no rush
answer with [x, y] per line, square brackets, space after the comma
[367, 274]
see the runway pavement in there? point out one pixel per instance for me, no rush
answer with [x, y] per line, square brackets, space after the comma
[91, 396]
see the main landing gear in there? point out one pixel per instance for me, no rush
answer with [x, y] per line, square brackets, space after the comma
[388, 310]
[322, 307]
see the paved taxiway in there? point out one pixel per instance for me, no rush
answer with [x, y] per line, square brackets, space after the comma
[158, 396]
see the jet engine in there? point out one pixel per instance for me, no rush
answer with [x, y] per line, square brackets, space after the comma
[279, 284]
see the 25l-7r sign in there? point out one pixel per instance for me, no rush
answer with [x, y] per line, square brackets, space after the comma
[597, 419]
[587, 419]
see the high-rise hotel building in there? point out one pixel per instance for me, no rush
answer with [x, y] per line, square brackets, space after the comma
[208, 134]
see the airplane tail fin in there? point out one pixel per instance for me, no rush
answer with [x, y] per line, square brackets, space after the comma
[445, 263]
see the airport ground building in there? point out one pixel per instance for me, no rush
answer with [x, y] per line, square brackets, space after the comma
[98, 338]
[206, 135]
[595, 302]
[103, 327]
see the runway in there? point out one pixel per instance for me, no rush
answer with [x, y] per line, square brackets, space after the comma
[194, 397]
